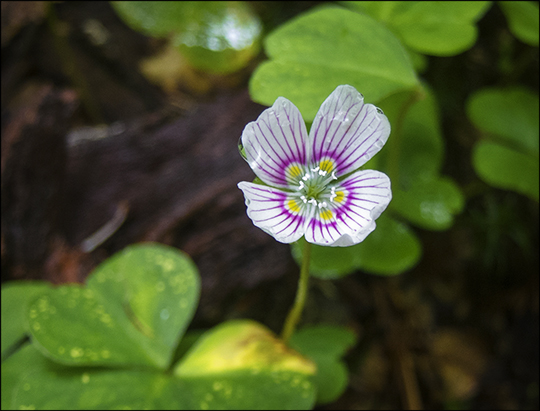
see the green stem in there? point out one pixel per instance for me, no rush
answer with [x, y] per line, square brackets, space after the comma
[301, 293]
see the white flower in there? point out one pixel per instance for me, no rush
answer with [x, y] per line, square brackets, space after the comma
[311, 183]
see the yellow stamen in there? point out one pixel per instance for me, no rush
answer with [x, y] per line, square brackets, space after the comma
[326, 165]
[340, 196]
[293, 172]
[326, 215]
[293, 206]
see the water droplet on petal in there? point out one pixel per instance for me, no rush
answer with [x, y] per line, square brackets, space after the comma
[380, 111]
[241, 149]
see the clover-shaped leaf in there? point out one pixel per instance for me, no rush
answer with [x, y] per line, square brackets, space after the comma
[155, 18]
[15, 297]
[390, 249]
[237, 365]
[119, 335]
[325, 345]
[507, 115]
[52, 386]
[413, 160]
[429, 204]
[133, 310]
[242, 365]
[214, 36]
[522, 19]
[25, 360]
[314, 53]
[505, 168]
[508, 157]
[420, 147]
[439, 28]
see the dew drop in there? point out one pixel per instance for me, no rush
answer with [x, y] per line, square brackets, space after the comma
[296, 381]
[105, 318]
[92, 355]
[241, 149]
[76, 352]
[164, 314]
[85, 378]
[43, 304]
[36, 326]
[26, 387]
[167, 265]
[380, 111]
[105, 353]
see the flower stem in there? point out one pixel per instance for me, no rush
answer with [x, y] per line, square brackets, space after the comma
[301, 293]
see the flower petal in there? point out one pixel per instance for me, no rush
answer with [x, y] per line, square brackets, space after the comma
[351, 213]
[346, 133]
[275, 144]
[274, 211]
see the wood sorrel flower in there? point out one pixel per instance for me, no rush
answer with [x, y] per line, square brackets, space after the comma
[312, 185]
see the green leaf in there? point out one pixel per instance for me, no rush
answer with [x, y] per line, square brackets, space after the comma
[22, 362]
[237, 365]
[505, 168]
[509, 115]
[214, 36]
[439, 28]
[71, 388]
[429, 204]
[522, 19]
[391, 249]
[221, 37]
[241, 365]
[314, 53]
[155, 18]
[417, 152]
[134, 309]
[326, 262]
[15, 298]
[413, 158]
[325, 345]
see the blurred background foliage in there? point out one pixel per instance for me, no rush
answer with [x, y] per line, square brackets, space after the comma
[458, 81]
